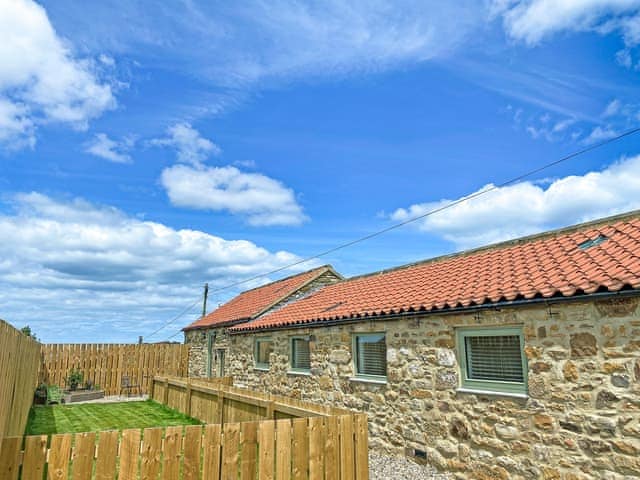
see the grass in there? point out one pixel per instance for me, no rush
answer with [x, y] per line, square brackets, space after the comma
[93, 417]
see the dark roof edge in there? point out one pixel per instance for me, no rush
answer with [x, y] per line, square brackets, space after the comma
[327, 266]
[508, 243]
[320, 271]
[228, 323]
[485, 306]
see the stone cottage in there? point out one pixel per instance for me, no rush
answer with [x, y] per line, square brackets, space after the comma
[207, 337]
[516, 360]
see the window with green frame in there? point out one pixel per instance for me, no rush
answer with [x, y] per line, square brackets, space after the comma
[262, 351]
[492, 359]
[300, 354]
[370, 355]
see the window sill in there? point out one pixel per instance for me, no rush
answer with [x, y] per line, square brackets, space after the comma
[299, 373]
[493, 393]
[380, 381]
[261, 369]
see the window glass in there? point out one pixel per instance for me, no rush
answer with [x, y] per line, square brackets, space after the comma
[492, 359]
[371, 354]
[263, 349]
[300, 355]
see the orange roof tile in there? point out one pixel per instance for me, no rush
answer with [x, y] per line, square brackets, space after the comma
[251, 303]
[541, 266]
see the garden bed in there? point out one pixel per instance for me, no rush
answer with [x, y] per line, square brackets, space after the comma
[93, 417]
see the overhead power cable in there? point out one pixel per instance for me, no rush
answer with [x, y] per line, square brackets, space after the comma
[166, 324]
[395, 226]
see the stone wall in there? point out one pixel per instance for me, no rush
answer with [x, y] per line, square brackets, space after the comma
[581, 418]
[197, 339]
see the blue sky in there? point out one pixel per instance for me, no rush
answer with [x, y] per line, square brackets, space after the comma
[146, 149]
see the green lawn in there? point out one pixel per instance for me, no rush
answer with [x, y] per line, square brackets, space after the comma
[92, 417]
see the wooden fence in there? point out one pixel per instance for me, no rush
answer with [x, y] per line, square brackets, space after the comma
[219, 402]
[315, 448]
[19, 363]
[105, 364]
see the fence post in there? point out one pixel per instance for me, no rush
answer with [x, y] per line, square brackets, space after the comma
[270, 408]
[187, 406]
[165, 400]
[152, 390]
[220, 406]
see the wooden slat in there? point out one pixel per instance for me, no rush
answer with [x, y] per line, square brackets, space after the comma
[362, 446]
[10, 458]
[316, 448]
[332, 449]
[59, 454]
[346, 447]
[82, 458]
[151, 453]
[283, 449]
[172, 453]
[129, 454]
[106, 455]
[249, 449]
[230, 448]
[211, 456]
[300, 449]
[267, 447]
[192, 452]
[35, 456]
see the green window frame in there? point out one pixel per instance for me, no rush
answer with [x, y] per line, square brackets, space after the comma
[211, 340]
[492, 360]
[300, 354]
[369, 352]
[262, 350]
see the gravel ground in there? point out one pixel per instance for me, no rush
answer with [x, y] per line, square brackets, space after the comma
[382, 467]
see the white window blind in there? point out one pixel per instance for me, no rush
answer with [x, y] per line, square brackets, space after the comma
[300, 357]
[494, 358]
[371, 355]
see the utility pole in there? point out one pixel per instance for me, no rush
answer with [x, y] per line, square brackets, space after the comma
[204, 303]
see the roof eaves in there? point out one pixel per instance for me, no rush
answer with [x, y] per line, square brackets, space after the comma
[626, 290]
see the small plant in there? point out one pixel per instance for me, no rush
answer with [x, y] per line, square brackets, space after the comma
[41, 394]
[74, 379]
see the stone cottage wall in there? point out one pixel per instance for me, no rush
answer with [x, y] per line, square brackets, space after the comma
[581, 418]
[197, 339]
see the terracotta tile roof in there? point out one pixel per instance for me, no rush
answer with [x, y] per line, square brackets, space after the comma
[250, 304]
[561, 263]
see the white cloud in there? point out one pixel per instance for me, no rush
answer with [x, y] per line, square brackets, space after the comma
[261, 199]
[255, 41]
[612, 108]
[525, 208]
[599, 134]
[41, 81]
[102, 146]
[191, 147]
[73, 270]
[532, 21]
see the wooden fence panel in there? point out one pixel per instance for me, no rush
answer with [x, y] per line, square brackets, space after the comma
[267, 450]
[216, 401]
[19, 366]
[106, 364]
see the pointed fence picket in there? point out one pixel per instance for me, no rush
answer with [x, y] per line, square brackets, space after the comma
[302, 448]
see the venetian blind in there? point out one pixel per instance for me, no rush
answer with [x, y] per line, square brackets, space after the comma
[495, 358]
[371, 355]
[300, 357]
